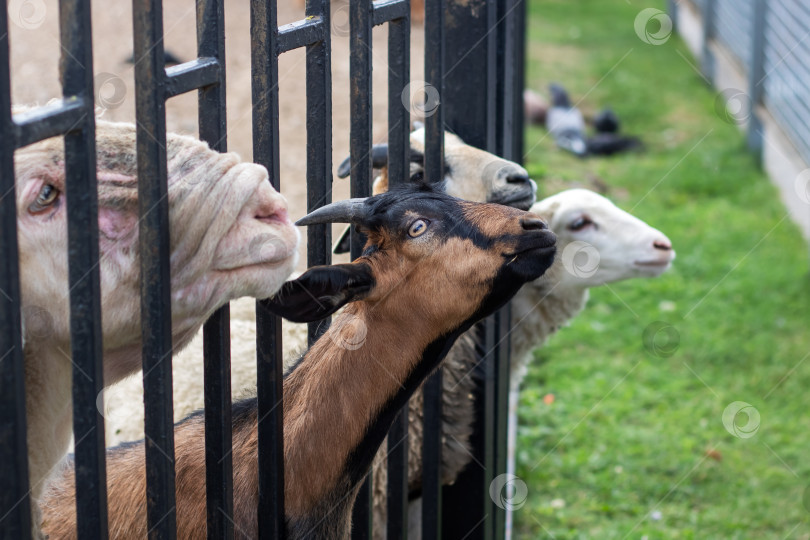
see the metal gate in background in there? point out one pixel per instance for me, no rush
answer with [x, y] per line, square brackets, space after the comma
[474, 61]
[769, 41]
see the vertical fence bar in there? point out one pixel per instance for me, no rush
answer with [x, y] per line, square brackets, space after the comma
[399, 64]
[270, 368]
[707, 59]
[76, 69]
[672, 9]
[360, 23]
[520, 80]
[434, 172]
[153, 204]
[505, 143]
[15, 503]
[319, 145]
[501, 404]
[216, 331]
[470, 104]
[756, 75]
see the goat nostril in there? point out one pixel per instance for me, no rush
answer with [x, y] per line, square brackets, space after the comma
[533, 224]
[662, 245]
[518, 178]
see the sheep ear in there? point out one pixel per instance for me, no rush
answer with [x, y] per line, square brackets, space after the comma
[342, 245]
[320, 291]
[379, 159]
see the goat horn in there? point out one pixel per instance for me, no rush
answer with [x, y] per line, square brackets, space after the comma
[379, 159]
[348, 211]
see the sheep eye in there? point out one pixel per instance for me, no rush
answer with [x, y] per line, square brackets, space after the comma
[417, 228]
[579, 224]
[47, 196]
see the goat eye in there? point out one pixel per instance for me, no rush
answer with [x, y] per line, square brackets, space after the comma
[579, 224]
[417, 228]
[418, 176]
[47, 196]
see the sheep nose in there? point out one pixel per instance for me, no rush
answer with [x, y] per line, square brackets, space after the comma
[662, 244]
[533, 224]
[518, 177]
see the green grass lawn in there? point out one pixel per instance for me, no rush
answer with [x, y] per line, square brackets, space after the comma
[634, 444]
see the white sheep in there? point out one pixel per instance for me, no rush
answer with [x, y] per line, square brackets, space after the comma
[222, 213]
[597, 243]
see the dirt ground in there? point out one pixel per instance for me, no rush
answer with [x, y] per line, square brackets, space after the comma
[35, 51]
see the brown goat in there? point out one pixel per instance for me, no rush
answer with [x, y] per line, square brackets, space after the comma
[230, 237]
[432, 267]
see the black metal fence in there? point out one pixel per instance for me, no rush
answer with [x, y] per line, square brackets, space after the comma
[473, 62]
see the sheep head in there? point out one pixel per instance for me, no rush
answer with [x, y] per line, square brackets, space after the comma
[230, 236]
[475, 175]
[599, 243]
[470, 173]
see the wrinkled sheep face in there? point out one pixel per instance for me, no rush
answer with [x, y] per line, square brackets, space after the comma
[230, 235]
[600, 243]
[475, 175]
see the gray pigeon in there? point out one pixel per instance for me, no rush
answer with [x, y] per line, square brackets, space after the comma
[565, 123]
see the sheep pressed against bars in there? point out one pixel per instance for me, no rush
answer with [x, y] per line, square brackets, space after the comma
[230, 237]
[412, 296]
[470, 173]
[620, 247]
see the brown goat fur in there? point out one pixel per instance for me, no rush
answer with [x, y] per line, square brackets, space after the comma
[413, 297]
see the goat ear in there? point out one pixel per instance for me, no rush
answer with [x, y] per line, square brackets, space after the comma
[320, 291]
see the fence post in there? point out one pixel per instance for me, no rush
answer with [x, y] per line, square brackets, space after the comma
[319, 144]
[707, 59]
[156, 321]
[672, 9]
[434, 172]
[361, 23]
[76, 70]
[399, 65]
[483, 95]
[216, 330]
[14, 495]
[269, 352]
[756, 76]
